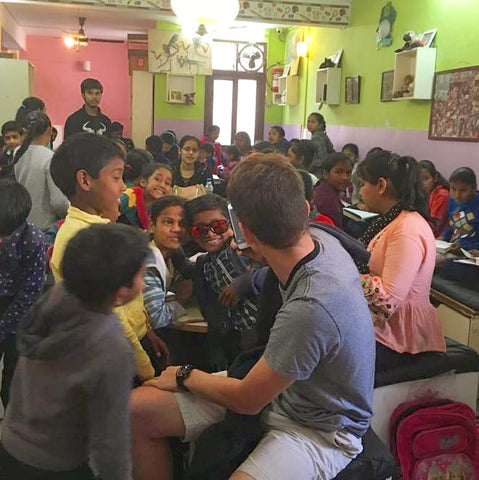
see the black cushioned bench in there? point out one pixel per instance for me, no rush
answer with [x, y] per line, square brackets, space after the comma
[458, 357]
[458, 308]
[449, 291]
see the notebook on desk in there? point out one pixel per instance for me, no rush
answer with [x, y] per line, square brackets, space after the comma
[356, 214]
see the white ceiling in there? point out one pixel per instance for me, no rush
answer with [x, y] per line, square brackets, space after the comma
[55, 19]
[111, 23]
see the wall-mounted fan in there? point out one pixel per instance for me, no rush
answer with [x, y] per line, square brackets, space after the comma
[251, 57]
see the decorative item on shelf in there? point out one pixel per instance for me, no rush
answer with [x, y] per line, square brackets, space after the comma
[189, 98]
[353, 84]
[407, 88]
[175, 96]
[411, 40]
[387, 80]
[454, 109]
[328, 63]
[428, 37]
[333, 60]
[386, 21]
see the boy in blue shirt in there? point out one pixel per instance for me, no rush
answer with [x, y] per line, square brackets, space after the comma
[22, 271]
[463, 210]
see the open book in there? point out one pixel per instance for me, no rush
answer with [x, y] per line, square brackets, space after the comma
[442, 246]
[357, 215]
[469, 260]
[192, 315]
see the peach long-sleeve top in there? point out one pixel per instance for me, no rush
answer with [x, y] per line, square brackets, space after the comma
[397, 288]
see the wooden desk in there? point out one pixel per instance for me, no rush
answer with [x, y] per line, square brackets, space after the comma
[192, 321]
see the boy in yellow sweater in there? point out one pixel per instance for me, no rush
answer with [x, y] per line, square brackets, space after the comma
[88, 169]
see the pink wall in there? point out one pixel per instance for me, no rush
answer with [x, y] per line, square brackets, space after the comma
[59, 72]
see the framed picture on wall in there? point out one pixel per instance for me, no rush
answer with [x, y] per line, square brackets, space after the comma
[352, 89]
[455, 105]
[387, 80]
[175, 96]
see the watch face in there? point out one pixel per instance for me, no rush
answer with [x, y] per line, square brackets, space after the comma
[182, 374]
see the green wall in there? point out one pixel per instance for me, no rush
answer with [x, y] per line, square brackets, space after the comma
[273, 114]
[163, 109]
[456, 42]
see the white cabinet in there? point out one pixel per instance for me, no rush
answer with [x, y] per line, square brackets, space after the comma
[177, 86]
[287, 93]
[16, 84]
[141, 106]
[328, 85]
[414, 74]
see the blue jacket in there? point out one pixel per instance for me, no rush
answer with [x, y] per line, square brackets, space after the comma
[22, 275]
[463, 223]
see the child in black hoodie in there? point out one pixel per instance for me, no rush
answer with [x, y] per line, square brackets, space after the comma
[70, 393]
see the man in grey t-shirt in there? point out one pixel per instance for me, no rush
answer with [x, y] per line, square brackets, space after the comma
[317, 372]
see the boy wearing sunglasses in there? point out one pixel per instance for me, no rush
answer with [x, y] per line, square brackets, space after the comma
[229, 310]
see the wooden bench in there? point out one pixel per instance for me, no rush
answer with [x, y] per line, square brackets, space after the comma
[458, 308]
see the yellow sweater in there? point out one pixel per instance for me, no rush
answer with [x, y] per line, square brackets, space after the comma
[133, 316]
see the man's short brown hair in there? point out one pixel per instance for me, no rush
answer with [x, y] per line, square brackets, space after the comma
[268, 197]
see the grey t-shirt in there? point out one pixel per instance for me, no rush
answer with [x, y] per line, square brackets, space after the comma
[33, 172]
[323, 338]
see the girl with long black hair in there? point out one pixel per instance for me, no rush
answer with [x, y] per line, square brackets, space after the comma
[397, 279]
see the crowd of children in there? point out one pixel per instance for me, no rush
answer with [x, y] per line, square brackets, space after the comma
[76, 194]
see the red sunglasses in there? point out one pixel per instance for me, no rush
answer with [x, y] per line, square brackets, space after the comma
[201, 230]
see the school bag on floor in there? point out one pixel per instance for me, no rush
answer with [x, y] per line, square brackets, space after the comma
[434, 440]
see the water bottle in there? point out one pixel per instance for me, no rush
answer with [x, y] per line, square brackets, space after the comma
[209, 186]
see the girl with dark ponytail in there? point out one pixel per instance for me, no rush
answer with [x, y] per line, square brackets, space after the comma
[31, 164]
[30, 104]
[397, 279]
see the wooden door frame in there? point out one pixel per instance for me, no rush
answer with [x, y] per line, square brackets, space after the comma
[234, 77]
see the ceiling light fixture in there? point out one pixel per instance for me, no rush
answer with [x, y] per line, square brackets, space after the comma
[79, 39]
[197, 12]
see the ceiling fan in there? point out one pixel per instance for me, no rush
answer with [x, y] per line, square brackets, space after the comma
[81, 39]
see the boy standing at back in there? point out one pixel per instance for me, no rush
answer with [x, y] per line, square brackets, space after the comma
[88, 169]
[70, 393]
[89, 117]
[22, 271]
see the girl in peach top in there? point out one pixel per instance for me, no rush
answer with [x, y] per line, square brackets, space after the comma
[397, 279]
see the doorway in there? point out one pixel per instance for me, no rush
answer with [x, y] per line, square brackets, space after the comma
[234, 96]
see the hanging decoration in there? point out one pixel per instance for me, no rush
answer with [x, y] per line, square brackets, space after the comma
[386, 21]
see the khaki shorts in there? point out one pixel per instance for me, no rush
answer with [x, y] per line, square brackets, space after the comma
[287, 450]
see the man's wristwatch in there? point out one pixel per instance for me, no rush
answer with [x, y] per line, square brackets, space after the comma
[182, 374]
